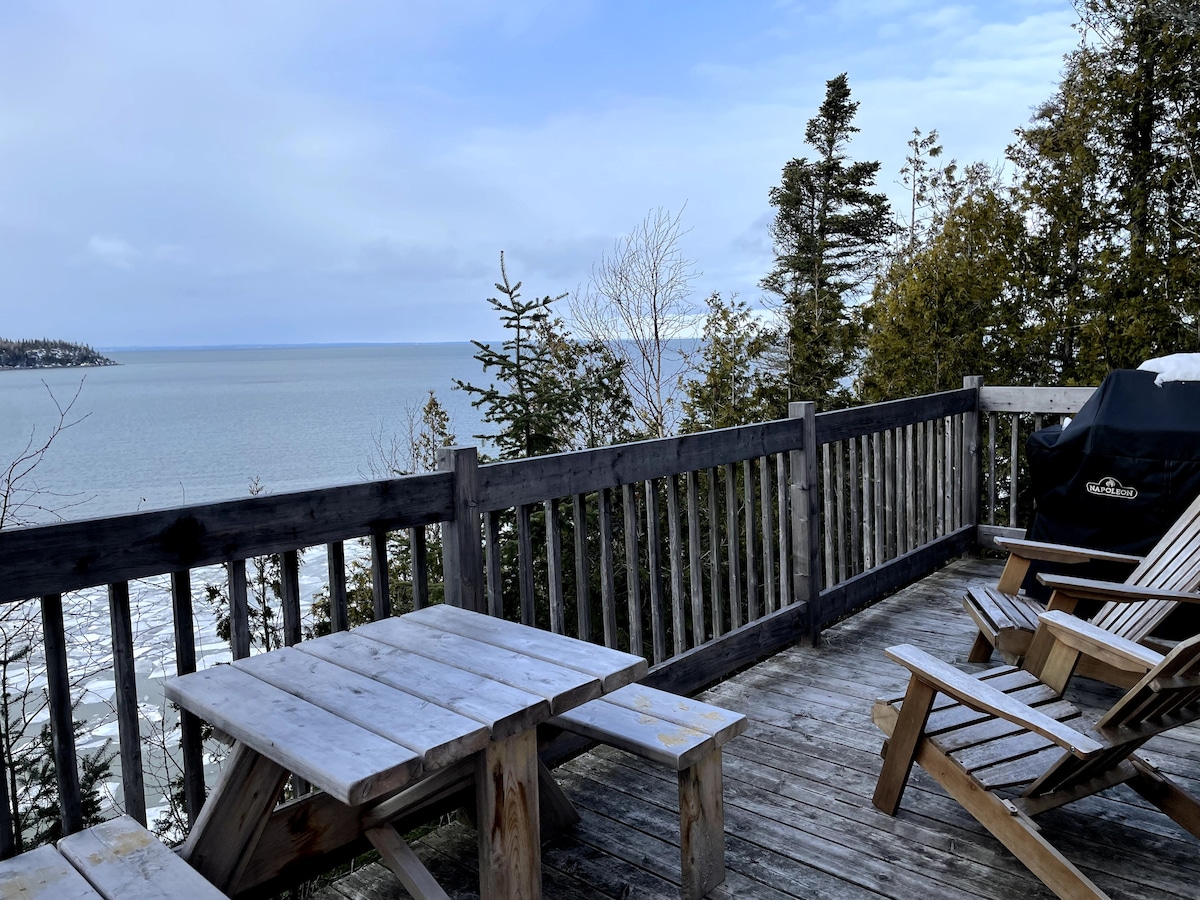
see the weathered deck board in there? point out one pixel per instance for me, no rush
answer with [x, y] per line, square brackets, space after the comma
[798, 783]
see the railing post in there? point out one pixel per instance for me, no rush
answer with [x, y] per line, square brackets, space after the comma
[972, 462]
[806, 583]
[462, 540]
[62, 724]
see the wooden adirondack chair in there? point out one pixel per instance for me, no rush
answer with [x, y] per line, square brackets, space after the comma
[1007, 746]
[1167, 575]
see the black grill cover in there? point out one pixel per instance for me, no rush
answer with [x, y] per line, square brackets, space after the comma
[1123, 470]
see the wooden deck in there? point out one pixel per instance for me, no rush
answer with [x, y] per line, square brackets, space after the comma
[799, 820]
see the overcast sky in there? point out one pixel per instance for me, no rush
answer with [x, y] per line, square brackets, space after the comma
[289, 171]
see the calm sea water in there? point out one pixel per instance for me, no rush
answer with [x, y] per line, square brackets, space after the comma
[168, 427]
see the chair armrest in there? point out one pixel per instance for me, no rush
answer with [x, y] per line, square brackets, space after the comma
[1097, 643]
[983, 697]
[1089, 589]
[1061, 553]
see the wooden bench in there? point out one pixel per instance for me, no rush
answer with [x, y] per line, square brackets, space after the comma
[682, 734]
[116, 860]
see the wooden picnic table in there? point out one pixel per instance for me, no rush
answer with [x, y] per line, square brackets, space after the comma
[367, 714]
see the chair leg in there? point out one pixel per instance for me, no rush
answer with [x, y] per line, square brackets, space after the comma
[981, 650]
[902, 746]
[701, 827]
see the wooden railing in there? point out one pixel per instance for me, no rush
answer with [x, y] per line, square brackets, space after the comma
[703, 552]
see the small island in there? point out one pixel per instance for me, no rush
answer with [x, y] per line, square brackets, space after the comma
[48, 354]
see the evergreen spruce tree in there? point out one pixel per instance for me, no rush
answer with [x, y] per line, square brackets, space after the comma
[729, 386]
[829, 233]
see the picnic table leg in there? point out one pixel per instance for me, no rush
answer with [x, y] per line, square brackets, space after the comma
[231, 822]
[557, 811]
[506, 800]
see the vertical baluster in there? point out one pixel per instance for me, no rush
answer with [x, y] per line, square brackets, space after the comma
[289, 588]
[583, 597]
[419, 548]
[125, 676]
[785, 537]
[753, 610]
[339, 615]
[185, 663]
[381, 589]
[558, 612]
[695, 572]
[658, 631]
[868, 505]
[950, 486]
[493, 577]
[633, 573]
[829, 526]
[839, 482]
[958, 481]
[855, 510]
[239, 611]
[901, 488]
[675, 549]
[525, 563]
[912, 463]
[940, 483]
[992, 468]
[768, 533]
[931, 483]
[889, 493]
[735, 556]
[608, 589]
[62, 726]
[714, 555]
[1012, 471]
[880, 491]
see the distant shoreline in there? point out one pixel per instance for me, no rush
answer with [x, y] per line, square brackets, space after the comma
[162, 348]
[48, 354]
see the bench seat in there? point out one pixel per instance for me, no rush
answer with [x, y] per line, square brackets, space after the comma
[684, 735]
[115, 860]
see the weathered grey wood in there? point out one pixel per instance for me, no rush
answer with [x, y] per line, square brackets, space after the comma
[991, 468]
[133, 793]
[971, 460]
[889, 494]
[525, 563]
[856, 506]
[345, 760]
[714, 556]
[1057, 400]
[868, 504]
[701, 827]
[753, 607]
[418, 548]
[911, 479]
[879, 514]
[832, 537]
[613, 668]
[940, 478]
[124, 861]
[239, 618]
[838, 425]
[339, 615]
[43, 874]
[658, 622]
[492, 559]
[666, 743]
[731, 547]
[633, 578]
[583, 599]
[381, 595]
[399, 857]
[462, 558]
[558, 610]
[785, 537]
[289, 585]
[564, 687]
[805, 532]
[71, 555]
[902, 545]
[190, 741]
[608, 585]
[840, 514]
[675, 555]
[439, 736]
[58, 695]
[1014, 428]
[506, 484]
[768, 533]
[957, 479]
[226, 833]
[505, 709]
[695, 573]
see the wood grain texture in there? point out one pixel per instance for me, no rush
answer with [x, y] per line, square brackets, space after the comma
[43, 874]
